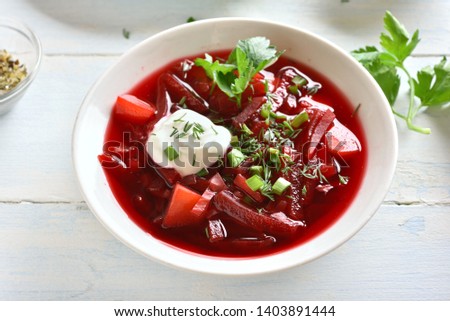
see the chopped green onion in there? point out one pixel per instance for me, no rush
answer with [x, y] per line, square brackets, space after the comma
[343, 179]
[279, 115]
[234, 141]
[246, 130]
[235, 157]
[299, 81]
[274, 155]
[304, 191]
[255, 182]
[171, 153]
[265, 111]
[202, 172]
[280, 185]
[182, 101]
[298, 120]
[256, 170]
[293, 89]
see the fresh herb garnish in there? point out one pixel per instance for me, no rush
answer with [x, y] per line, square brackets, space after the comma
[190, 19]
[248, 58]
[235, 157]
[432, 85]
[171, 153]
[255, 182]
[280, 185]
[126, 33]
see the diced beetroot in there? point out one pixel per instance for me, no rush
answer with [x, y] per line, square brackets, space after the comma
[179, 210]
[200, 208]
[341, 141]
[241, 182]
[133, 109]
[189, 180]
[143, 204]
[277, 224]
[249, 244]
[163, 101]
[179, 90]
[321, 128]
[216, 231]
[328, 170]
[156, 186]
[257, 126]
[216, 183]
[309, 186]
[320, 121]
[200, 185]
[257, 87]
[222, 104]
[199, 81]
[294, 207]
[170, 175]
[247, 111]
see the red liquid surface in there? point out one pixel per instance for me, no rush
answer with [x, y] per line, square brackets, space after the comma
[128, 186]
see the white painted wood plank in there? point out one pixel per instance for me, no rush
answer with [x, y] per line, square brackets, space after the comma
[53, 248]
[87, 26]
[59, 251]
[35, 137]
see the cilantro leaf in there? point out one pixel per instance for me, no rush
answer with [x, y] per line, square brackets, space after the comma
[432, 86]
[398, 42]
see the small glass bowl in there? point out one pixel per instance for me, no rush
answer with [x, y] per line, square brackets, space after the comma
[22, 44]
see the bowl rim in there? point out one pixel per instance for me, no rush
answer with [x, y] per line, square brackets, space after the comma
[27, 32]
[226, 267]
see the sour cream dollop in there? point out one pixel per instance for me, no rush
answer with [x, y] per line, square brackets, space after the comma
[187, 141]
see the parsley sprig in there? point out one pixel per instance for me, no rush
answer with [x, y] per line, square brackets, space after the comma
[432, 84]
[248, 58]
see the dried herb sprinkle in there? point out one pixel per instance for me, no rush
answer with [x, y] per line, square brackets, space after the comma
[12, 72]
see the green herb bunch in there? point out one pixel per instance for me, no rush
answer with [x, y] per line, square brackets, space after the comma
[431, 86]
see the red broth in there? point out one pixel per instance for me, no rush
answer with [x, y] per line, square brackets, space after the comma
[130, 185]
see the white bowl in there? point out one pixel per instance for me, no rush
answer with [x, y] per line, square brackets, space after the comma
[205, 36]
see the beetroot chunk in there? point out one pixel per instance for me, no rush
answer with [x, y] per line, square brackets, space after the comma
[277, 224]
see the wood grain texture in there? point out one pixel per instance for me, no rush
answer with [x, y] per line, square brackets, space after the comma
[53, 248]
[87, 26]
[60, 252]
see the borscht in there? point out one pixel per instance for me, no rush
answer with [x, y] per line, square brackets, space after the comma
[234, 153]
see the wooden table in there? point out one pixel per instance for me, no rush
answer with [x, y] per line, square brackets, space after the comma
[53, 248]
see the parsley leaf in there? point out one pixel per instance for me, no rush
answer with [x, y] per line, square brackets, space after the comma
[125, 33]
[213, 68]
[248, 58]
[259, 52]
[432, 85]
[385, 75]
[397, 43]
